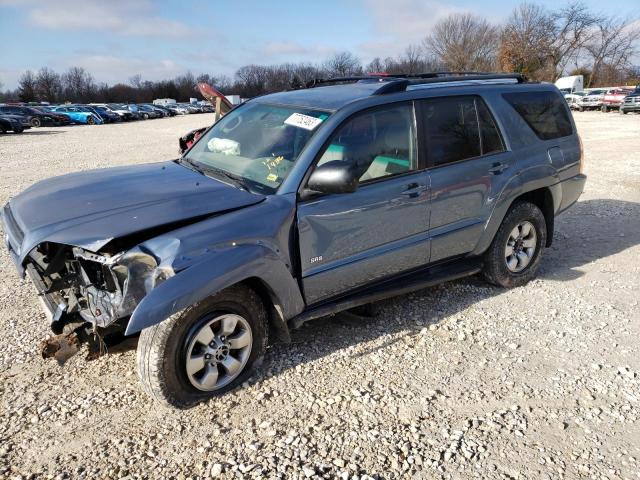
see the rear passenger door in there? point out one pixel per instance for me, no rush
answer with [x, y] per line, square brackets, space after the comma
[468, 162]
[349, 240]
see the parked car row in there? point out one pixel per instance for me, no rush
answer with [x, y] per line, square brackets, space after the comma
[622, 99]
[17, 118]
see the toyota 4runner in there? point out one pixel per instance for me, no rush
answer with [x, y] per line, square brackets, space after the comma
[294, 206]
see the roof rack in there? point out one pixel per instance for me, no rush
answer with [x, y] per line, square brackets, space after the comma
[399, 82]
[323, 81]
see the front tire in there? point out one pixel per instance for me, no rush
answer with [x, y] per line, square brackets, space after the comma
[204, 351]
[36, 122]
[514, 256]
[90, 121]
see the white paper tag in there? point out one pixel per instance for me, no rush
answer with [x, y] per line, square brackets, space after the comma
[303, 121]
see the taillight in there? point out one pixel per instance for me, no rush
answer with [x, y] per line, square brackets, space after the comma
[581, 160]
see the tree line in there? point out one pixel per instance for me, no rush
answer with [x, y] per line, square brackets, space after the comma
[543, 44]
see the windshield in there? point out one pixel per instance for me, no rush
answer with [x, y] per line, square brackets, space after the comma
[257, 142]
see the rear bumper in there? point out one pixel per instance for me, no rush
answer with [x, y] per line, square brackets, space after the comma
[572, 188]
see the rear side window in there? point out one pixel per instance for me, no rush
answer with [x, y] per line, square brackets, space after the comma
[459, 128]
[544, 112]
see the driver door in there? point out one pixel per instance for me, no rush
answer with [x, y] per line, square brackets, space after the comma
[352, 239]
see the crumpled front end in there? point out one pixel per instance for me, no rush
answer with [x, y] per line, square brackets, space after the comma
[101, 289]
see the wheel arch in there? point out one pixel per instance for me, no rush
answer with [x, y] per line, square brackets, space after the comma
[543, 199]
[546, 198]
[251, 265]
[277, 324]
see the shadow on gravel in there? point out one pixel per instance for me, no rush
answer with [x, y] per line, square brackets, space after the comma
[589, 231]
[31, 133]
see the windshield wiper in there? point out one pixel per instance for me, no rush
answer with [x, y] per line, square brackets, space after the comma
[191, 165]
[237, 180]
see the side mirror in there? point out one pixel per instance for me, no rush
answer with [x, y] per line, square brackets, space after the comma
[334, 177]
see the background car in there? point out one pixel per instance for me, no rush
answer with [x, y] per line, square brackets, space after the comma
[14, 123]
[37, 117]
[592, 100]
[573, 99]
[78, 115]
[614, 97]
[147, 112]
[124, 113]
[170, 113]
[105, 115]
[631, 102]
[178, 109]
[161, 110]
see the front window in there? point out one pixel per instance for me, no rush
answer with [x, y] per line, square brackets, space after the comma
[256, 143]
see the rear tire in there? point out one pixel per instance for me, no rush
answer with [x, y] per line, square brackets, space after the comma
[90, 121]
[514, 256]
[168, 351]
[18, 130]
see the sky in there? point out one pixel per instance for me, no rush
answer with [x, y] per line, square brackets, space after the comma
[117, 39]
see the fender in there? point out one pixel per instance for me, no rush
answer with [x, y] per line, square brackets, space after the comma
[223, 268]
[525, 181]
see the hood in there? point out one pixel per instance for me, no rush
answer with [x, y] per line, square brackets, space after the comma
[89, 209]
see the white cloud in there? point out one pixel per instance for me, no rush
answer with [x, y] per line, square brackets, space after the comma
[113, 69]
[119, 17]
[400, 23]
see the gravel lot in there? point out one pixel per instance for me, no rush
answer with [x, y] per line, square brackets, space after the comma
[459, 381]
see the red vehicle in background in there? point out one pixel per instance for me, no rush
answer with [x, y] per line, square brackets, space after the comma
[614, 97]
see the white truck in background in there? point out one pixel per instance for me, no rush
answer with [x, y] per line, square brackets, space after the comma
[569, 85]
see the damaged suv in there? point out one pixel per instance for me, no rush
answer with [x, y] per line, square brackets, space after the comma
[294, 206]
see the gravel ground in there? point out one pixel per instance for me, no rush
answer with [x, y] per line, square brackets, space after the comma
[458, 381]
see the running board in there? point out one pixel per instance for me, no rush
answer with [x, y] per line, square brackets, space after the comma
[399, 285]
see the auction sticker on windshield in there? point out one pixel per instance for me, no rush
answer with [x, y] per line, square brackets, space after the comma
[303, 121]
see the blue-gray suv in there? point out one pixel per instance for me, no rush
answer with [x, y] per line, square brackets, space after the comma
[294, 206]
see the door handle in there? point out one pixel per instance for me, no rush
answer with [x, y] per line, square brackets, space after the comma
[414, 190]
[498, 167]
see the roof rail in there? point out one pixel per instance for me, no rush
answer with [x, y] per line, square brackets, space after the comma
[322, 81]
[392, 83]
[401, 84]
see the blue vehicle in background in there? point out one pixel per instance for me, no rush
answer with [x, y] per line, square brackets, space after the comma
[79, 115]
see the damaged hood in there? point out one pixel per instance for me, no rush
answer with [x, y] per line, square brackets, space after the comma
[89, 209]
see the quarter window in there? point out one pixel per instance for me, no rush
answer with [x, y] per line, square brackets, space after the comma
[379, 142]
[545, 112]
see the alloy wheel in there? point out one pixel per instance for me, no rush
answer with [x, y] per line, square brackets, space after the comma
[218, 351]
[521, 247]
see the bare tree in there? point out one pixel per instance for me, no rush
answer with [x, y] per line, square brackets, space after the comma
[573, 28]
[27, 87]
[78, 85]
[526, 43]
[343, 64]
[464, 42]
[375, 66]
[48, 85]
[612, 47]
[136, 81]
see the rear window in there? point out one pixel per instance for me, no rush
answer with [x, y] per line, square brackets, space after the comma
[545, 112]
